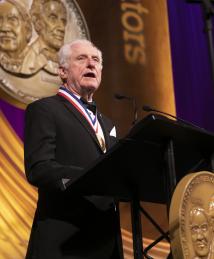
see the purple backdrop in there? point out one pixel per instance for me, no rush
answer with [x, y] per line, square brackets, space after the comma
[15, 117]
[194, 90]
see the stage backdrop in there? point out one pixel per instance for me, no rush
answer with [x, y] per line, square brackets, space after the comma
[134, 38]
[193, 86]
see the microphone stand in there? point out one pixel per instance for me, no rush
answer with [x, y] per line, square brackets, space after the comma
[135, 112]
[134, 104]
[208, 12]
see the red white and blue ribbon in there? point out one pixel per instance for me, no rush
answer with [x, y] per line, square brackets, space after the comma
[77, 103]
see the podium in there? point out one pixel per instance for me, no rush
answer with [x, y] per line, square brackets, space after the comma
[146, 165]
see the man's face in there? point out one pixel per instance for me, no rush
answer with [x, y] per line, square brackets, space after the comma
[84, 72]
[201, 236]
[54, 22]
[12, 30]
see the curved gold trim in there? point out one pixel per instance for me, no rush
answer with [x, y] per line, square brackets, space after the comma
[8, 98]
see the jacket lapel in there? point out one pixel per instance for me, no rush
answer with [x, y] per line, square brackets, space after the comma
[81, 119]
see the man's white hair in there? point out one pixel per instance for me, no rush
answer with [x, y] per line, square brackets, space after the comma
[65, 51]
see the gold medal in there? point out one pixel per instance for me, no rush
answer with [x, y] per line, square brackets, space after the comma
[102, 142]
[191, 217]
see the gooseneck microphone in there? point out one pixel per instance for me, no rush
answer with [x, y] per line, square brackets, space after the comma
[120, 97]
[129, 98]
[150, 109]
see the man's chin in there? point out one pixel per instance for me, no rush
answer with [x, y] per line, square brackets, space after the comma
[90, 88]
[90, 83]
[202, 253]
[55, 44]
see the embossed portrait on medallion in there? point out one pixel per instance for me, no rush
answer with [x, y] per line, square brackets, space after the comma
[15, 34]
[31, 34]
[49, 19]
[201, 232]
[192, 217]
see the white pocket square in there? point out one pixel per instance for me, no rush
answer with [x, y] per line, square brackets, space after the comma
[113, 132]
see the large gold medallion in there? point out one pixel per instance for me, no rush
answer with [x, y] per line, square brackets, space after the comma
[31, 34]
[191, 217]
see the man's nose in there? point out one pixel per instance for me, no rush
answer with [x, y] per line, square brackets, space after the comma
[200, 235]
[90, 62]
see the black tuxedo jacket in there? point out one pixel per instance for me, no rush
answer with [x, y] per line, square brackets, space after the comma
[59, 143]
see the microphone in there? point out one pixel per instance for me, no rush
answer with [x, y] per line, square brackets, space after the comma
[147, 108]
[150, 109]
[120, 97]
[129, 98]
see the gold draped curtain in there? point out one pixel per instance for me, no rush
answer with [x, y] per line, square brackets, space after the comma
[17, 197]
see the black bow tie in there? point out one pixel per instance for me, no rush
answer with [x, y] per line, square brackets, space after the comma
[89, 105]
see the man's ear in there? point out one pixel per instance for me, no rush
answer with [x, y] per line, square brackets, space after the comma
[62, 72]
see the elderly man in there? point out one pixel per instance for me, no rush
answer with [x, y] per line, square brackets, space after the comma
[49, 19]
[62, 137]
[15, 33]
